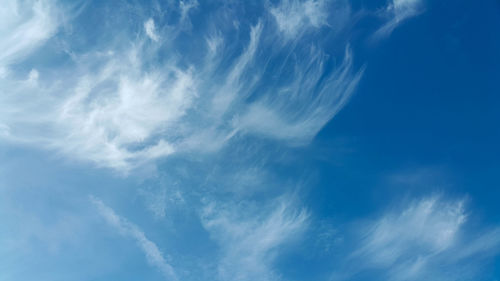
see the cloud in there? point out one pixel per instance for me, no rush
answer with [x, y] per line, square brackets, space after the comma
[112, 112]
[126, 101]
[149, 27]
[300, 109]
[428, 240]
[398, 11]
[430, 225]
[24, 27]
[186, 7]
[161, 199]
[126, 228]
[33, 77]
[110, 115]
[235, 81]
[292, 16]
[250, 239]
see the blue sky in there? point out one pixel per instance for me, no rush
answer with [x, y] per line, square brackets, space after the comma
[265, 140]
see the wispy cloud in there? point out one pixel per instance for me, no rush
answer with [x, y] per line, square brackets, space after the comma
[106, 117]
[150, 28]
[162, 84]
[126, 228]
[421, 242]
[250, 238]
[24, 26]
[397, 11]
[185, 7]
[292, 16]
[300, 109]
[129, 101]
[429, 224]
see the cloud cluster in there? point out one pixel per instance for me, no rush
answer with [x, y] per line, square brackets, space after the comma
[133, 99]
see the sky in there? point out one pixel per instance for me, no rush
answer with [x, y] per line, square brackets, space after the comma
[271, 140]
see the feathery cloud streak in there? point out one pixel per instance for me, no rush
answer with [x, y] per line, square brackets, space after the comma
[428, 240]
[250, 238]
[24, 27]
[126, 228]
[398, 11]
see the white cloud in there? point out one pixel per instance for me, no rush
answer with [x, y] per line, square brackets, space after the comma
[160, 199]
[33, 76]
[234, 83]
[185, 7]
[405, 8]
[126, 228]
[297, 111]
[428, 240]
[3, 72]
[428, 227]
[150, 28]
[111, 116]
[292, 16]
[119, 107]
[4, 130]
[398, 11]
[24, 26]
[250, 237]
